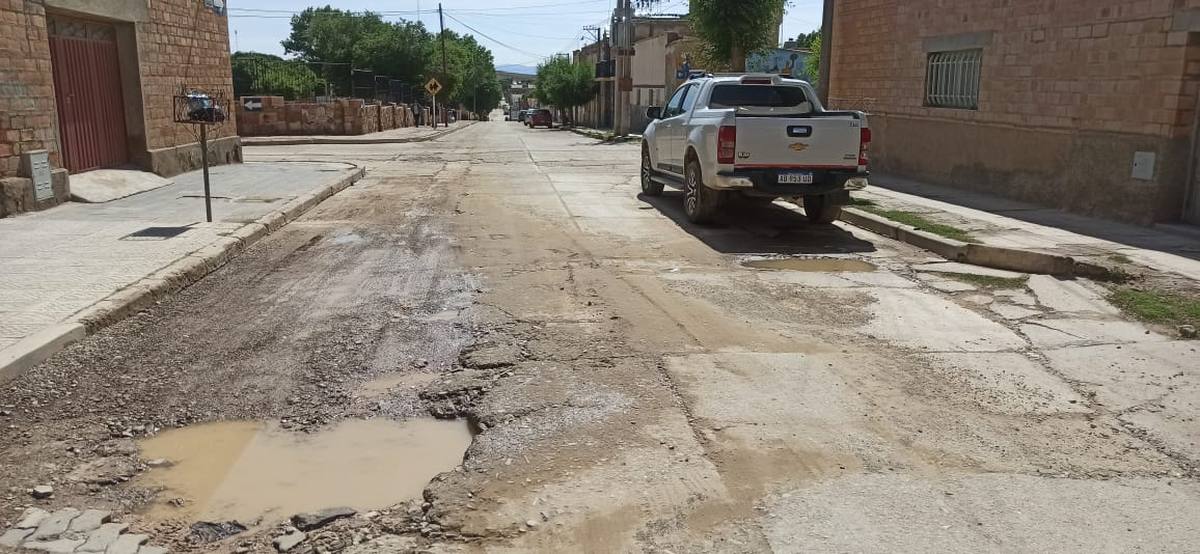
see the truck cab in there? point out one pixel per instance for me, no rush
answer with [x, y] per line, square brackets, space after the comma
[758, 136]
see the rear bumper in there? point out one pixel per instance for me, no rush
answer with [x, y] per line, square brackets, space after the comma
[764, 182]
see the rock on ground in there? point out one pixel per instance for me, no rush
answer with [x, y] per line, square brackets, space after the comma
[100, 539]
[289, 541]
[89, 521]
[313, 520]
[55, 524]
[127, 544]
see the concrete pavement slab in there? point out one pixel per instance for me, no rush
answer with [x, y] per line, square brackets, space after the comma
[944, 326]
[89, 263]
[994, 513]
[1069, 295]
[1124, 376]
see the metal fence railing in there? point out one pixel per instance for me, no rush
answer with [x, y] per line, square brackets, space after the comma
[312, 81]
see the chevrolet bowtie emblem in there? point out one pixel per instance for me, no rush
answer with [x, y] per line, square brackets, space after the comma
[798, 146]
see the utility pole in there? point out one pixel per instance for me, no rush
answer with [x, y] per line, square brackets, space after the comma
[592, 28]
[826, 52]
[624, 44]
[442, 22]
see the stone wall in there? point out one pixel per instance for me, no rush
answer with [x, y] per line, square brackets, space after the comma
[1069, 92]
[161, 45]
[26, 85]
[339, 117]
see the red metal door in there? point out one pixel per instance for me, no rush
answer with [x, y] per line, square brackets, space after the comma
[87, 90]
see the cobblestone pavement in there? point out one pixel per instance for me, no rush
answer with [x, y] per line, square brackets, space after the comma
[60, 261]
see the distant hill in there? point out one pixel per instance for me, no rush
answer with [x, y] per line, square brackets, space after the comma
[519, 69]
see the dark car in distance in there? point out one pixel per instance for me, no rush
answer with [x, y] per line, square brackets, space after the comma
[538, 118]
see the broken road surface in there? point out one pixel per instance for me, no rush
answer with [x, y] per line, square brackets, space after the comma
[632, 383]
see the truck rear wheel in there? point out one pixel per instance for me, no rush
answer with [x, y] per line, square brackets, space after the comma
[650, 187]
[821, 209]
[699, 202]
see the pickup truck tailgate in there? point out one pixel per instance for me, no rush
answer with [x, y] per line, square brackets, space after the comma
[820, 142]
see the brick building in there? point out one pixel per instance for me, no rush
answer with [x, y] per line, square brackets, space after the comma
[92, 83]
[1089, 105]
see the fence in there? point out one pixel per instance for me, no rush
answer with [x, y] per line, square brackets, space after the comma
[297, 80]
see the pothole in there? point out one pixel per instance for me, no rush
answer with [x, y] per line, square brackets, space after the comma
[251, 471]
[818, 265]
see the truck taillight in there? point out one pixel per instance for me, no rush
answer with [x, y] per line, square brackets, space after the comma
[726, 144]
[863, 147]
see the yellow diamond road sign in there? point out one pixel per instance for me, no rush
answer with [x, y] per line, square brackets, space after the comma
[433, 86]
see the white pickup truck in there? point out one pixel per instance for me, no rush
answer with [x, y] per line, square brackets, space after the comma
[760, 136]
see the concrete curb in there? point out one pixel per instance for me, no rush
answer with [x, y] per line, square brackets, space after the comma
[996, 257]
[32, 350]
[292, 141]
[145, 292]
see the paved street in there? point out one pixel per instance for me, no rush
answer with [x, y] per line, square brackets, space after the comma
[56, 263]
[632, 383]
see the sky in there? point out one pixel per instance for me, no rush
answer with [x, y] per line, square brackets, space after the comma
[521, 32]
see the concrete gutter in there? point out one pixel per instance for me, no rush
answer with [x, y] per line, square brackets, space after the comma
[997, 257]
[598, 134]
[40, 346]
[349, 139]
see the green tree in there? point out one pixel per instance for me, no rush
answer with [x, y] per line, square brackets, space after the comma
[806, 40]
[564, 84]
[730, 29]
[812, 66]
[255, 73]
[404, 51]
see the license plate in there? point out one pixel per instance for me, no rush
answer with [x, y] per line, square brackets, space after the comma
[800, 178]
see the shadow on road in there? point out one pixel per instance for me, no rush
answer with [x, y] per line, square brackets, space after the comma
[747, 228]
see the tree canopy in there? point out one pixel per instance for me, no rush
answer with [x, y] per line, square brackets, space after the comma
[255, 73]
[806, 40]
[731, 30]
[565, 84]
[403, 51]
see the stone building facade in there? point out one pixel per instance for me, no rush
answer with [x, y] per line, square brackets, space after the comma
[1087, 106]
[92, 83]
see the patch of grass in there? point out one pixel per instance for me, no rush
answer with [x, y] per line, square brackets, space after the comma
[921, 222]
[990, 282]
[861, 202]
[1120, 258]
[1157, 307]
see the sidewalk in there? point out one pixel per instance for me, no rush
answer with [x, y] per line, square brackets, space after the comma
[393, 136]
[77, 267]
[1015, 225]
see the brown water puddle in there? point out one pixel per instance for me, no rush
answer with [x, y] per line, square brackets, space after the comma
[818, 265]
[241, 470]
[388, 383]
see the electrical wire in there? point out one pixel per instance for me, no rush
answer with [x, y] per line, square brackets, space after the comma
[498, 42]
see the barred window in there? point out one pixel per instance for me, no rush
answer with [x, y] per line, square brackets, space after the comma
[952, 79]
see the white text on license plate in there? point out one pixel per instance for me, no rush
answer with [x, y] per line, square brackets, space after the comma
[800, 178]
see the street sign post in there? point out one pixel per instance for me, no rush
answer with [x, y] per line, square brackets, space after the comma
[433, 87]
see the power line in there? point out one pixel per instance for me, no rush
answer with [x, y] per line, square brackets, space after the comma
[498, 42]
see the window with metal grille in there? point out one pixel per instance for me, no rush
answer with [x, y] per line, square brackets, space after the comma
[952, 79]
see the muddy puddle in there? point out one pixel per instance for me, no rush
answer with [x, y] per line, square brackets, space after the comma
[388, 383]
[247, 470]
[819, 265]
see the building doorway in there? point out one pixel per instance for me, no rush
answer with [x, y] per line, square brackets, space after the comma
[87, 91]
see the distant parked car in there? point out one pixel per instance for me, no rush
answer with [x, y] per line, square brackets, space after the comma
[521, 115]
[539, 118]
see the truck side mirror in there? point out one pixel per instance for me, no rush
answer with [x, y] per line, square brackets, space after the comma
[654, 112]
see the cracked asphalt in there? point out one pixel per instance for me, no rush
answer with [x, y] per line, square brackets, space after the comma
[632, 386]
